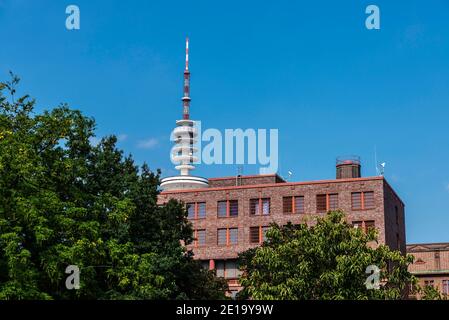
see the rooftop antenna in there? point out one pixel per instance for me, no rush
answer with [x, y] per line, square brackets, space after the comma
[186, 98]
[289, 175]
[380, 167]
[375, 160]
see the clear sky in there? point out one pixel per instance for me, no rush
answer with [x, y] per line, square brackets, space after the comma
[308, 68]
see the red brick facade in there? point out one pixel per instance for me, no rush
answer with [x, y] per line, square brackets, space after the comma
[386, 210]
[431, 265]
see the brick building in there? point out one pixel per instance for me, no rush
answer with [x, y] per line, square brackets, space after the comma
[431, 265]
[232, 213]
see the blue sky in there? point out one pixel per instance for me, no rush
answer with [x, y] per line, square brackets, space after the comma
[308, 68]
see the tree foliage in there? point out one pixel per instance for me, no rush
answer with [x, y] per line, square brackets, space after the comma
[64, 201]
[431, 293]
[324, 261]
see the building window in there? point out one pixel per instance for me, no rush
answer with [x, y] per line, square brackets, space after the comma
[222, 209]
[254, 235]
[396, 211]
[429, 283]
[364, 225]
[191, 210]
[287, 204]
[222, 237]
[362, 200]
[257, 235]
[227, 208]
[231, 269]
[227, 269]
[233, 208]
[446, 287]
[437, 260]
[326, 202]
[263, 231]
[201, 208]
[259, 206]
[233, 236]
[196, 210]
[227, 236]
[368, 200]
[299, 204]
[321, 203]
[220, 268]
[199, 237]
[293, 204]
[356, 201]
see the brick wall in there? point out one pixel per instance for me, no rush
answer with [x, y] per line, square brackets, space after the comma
[384, 199]
[394, 219]
[244, 180]
[431, 263]
[429, 257]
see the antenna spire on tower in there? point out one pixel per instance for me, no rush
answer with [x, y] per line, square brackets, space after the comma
[186, 97]
[187, 53]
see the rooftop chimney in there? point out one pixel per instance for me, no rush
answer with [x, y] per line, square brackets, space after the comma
[348, 167]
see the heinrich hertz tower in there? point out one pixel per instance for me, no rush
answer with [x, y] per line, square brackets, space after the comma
[185, 136]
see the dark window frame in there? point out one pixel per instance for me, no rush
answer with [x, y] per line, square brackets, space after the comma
[364, 225]
[196, 210]
[329, 200]
[261, 231]
[228, 236]
[228, 264]
[364, 195]
[196, 242]
[259, 203]
[292, 203]
[230, 204]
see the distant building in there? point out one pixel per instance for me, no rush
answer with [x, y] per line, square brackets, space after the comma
[431, 265]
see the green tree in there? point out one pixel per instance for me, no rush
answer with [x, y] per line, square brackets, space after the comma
[325, 261]
[64, 201]
[432, 293]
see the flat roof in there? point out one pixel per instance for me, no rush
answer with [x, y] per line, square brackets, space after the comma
[426, 247]
[428, 243]
[248, 177]
[267, 185]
